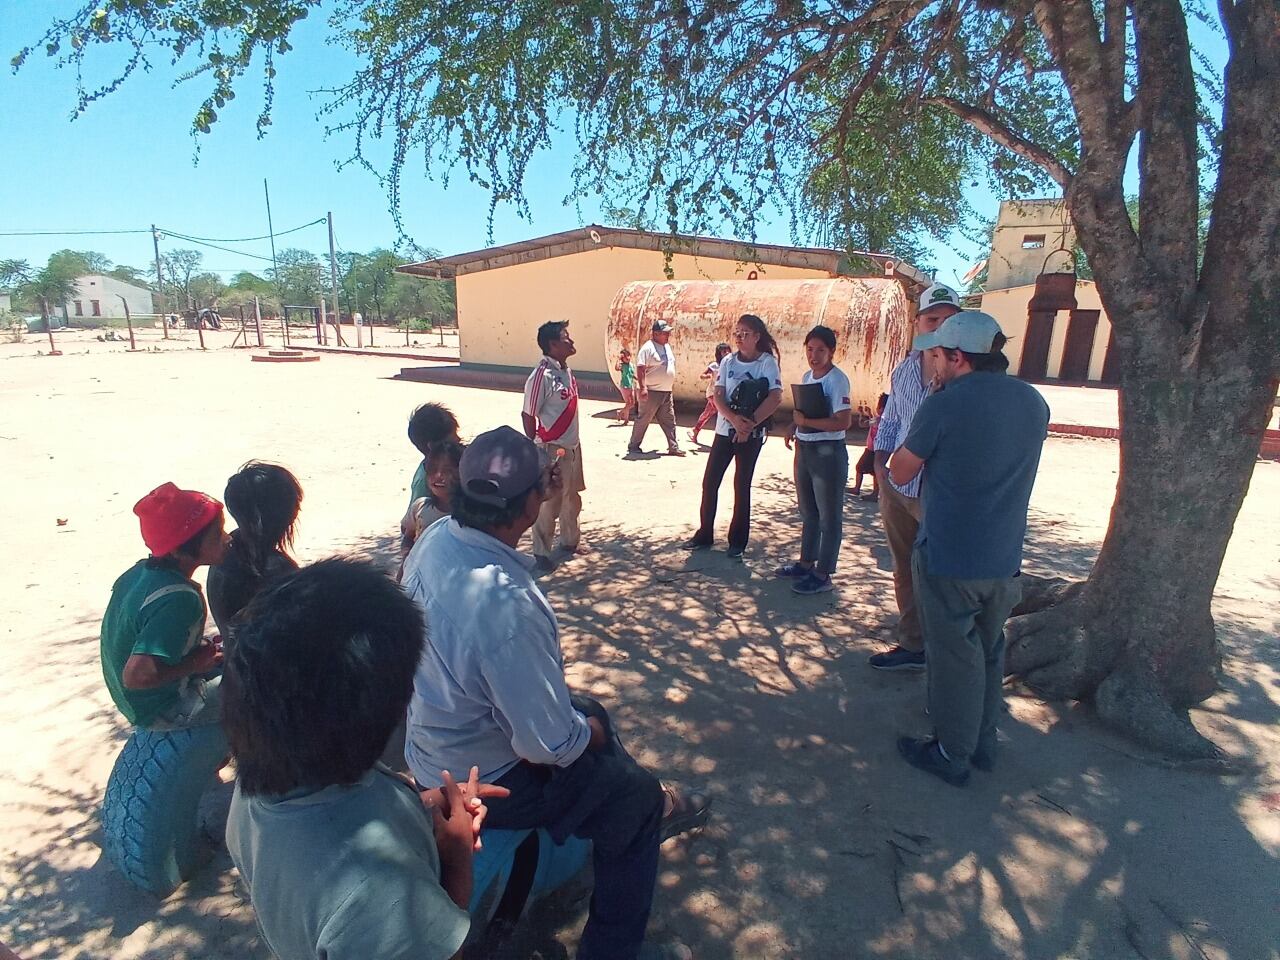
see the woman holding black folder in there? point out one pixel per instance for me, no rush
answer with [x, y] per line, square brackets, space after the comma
[822, 464]
[748, 391]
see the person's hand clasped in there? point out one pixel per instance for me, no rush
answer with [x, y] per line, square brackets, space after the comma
[205, 657]
[458, 810]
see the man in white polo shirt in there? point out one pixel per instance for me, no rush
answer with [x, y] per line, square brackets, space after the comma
[655, 379]
[550, 419]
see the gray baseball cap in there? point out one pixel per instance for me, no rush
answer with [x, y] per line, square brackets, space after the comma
[499, 466]
[969, 330]
[661, 326]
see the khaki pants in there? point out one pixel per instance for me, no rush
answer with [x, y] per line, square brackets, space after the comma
[901, 518]
[657, 402]
[565, 505]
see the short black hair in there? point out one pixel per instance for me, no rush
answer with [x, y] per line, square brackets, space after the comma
[825, 334]
[882, 402]
[431, 423]
[264, 499]
[320, 675]
[550, 332]
[993, 362]
[478, 515]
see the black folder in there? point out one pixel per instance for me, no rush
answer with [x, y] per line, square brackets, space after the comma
[811, 400]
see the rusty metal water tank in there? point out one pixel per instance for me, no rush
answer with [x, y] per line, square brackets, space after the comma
[871, 318]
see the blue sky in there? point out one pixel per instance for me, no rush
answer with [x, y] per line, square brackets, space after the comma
[128, 162]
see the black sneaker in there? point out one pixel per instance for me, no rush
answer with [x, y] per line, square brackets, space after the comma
[696, 543]
[982, 760]
[735, 553]
[812, 584]
[792, 571]
[898, 659]
[926, 755]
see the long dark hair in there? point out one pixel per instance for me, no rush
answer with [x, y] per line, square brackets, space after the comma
[766, 343]
[264, 499]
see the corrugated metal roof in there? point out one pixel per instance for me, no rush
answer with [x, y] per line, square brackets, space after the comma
[595, 236]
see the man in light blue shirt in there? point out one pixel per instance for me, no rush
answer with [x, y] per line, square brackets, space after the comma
[490, 690]
[909, 384]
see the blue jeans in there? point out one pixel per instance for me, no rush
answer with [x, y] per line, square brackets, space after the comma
[606, 797]
[822, 470]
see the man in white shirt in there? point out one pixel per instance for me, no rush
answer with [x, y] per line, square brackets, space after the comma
[910, 383]
[550, 418]
[655, 379]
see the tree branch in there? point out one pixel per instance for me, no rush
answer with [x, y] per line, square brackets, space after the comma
[992, 128]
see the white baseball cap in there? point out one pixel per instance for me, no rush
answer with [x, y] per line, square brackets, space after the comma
[938, 295]
[971, 331]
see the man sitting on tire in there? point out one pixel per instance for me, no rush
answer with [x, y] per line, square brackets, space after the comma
[340, 854]
[152, 644]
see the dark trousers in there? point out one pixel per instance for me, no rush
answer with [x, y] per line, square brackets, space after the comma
[606, 797]
[744, 456]
[963, 624]
[822, 470]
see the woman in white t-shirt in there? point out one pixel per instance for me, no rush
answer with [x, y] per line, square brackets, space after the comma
[822, 469]
[739, 431]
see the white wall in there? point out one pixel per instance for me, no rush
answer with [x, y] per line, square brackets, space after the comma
[107, 291]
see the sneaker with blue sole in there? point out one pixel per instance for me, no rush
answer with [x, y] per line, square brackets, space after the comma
[811, 585]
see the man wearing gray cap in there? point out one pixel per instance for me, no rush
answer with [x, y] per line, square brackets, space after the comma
[490, 690]
[977, 442]
[910, 382]
[655, 381]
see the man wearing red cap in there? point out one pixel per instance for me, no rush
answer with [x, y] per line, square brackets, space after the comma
[153, 646]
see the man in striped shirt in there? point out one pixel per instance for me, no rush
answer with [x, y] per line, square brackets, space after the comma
[550, 418]
[900, 513]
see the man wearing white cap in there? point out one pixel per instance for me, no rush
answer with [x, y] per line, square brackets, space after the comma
[977, 442]
[909, 384]
[656, 379]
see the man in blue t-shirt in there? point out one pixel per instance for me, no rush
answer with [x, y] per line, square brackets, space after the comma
[978, 441]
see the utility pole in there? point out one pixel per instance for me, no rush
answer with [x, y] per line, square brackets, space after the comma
[164, 316]
[333, 283]
[271, 232]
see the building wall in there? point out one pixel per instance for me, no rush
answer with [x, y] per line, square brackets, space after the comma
[500, 310]
[1012, 263]
[5, 303]
[107, 291]
[1009, 307]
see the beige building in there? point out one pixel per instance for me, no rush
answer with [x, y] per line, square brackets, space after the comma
[1057, 328]
[1028, 239]
[504, 293]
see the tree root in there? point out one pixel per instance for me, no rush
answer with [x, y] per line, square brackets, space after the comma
[1131, 703]
[1064, 651]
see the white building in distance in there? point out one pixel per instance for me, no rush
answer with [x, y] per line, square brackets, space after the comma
[98, 297]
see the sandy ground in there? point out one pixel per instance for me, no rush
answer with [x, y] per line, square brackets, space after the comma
[824, 843]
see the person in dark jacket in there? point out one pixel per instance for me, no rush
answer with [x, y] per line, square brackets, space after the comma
[264, 499]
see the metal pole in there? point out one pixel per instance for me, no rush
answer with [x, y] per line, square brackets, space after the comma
[271, 232]
[164, 314]
[257, 320]
[333, 283]
[377, 306]
[128, 321]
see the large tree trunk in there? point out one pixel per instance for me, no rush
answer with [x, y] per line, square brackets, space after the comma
[1200, 353]
[1139, 638]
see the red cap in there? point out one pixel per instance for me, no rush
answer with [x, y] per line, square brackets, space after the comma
[170, 517]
